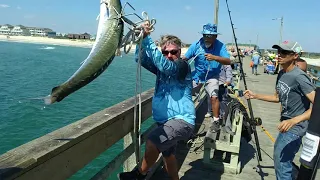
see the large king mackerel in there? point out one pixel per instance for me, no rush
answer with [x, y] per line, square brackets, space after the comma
[108, 40]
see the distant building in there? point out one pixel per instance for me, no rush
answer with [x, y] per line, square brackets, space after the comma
[51, 34]
[6, 29]
[36, 31]
[73, 36]
[20, 30]
[79, 36]
[85, 36]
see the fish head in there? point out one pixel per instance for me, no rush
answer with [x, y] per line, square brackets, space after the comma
[114, 7]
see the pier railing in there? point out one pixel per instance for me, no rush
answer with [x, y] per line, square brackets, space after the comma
[63, 152]
[314, 72]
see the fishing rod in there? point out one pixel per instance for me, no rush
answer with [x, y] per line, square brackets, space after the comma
[252, 119]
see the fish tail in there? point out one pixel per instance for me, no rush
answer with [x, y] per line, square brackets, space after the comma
[50, 99]
[47, 100]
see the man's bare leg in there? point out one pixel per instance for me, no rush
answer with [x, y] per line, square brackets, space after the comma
[215, 106]
[150, 157]
[215, 124]
[171, 166]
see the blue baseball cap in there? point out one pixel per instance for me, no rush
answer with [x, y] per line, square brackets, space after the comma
[209, 29]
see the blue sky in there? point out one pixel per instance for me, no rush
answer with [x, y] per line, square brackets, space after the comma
[181, 17]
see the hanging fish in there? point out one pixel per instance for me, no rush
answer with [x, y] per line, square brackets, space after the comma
[108, 41]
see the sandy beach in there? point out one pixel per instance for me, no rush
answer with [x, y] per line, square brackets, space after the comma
[60, 42]
[46, 40]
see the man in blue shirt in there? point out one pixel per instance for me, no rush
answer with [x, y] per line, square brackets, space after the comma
[209, 55]
[256, 60]
[172, 105]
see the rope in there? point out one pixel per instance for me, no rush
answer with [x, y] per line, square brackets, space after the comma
[137, 123]
[131, 38]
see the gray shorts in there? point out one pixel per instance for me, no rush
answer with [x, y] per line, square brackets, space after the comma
[167, 135]
[211, 87]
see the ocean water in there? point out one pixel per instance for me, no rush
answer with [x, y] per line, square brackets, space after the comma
[32, 70]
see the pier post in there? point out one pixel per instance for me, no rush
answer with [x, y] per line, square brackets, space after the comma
[216, 11]
[130, 163]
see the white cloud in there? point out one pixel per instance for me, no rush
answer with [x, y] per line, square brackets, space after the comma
[19, 7]
[4, 6]
[187, 8]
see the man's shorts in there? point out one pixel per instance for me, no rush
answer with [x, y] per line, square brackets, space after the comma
[166, 136]
[212, 87]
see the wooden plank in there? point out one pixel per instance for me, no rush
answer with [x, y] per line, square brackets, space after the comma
[63, 150]
[130, 162]
[237, 136]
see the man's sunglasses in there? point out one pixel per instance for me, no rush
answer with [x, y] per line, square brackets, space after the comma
[172, 52]
[208, 35]
[284, 52]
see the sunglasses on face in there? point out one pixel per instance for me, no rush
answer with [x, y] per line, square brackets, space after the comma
[172, 52]
[284, 52]
[208, 35]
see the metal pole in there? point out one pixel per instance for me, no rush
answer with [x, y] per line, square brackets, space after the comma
[216, 11]
[281, 28]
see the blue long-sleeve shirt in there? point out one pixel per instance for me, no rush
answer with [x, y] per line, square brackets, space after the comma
[172, 97]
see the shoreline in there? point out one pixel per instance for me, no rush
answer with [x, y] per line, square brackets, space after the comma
[47, 41]
[59, 42]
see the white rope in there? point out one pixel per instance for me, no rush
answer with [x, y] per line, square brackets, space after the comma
[138, 90]
[130, 38]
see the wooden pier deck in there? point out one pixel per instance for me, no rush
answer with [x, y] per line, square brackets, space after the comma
[190, 162]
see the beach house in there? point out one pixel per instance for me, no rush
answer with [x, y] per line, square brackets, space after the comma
[6, 29]
[79, 36]
[20, 30]
[84, 36]
[37, 31]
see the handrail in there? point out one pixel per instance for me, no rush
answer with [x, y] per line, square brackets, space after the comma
[313, 72]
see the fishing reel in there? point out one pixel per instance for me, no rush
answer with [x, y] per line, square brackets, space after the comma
[257, 121]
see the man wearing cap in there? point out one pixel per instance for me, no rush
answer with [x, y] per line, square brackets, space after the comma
[209, 55]
[294, 91]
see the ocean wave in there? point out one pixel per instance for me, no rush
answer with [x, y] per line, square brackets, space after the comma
[48, 47]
